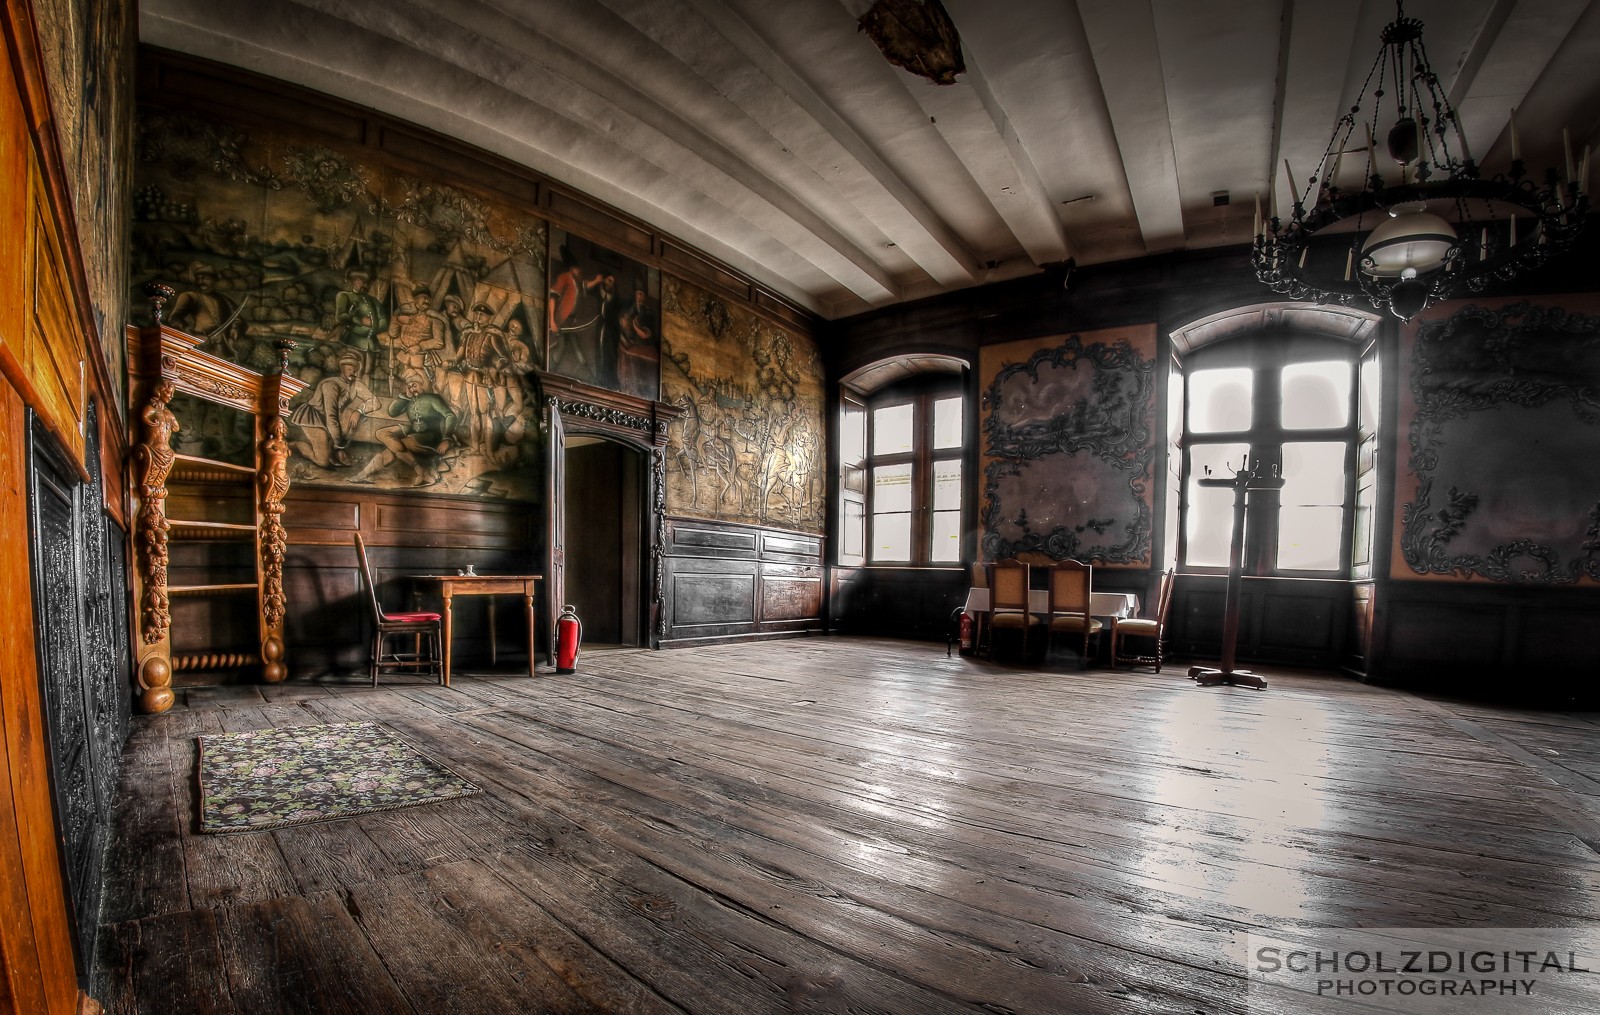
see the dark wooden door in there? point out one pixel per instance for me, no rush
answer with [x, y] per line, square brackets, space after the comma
[603, 524]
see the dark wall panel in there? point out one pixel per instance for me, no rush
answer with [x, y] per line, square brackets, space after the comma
[707, 599]
[726, 581]
[1301, 623]
[329, 625]
[1563, 639]
[790, 592]
[904, 602]
[1283, 620]
[1518, 643]
[1441, 634]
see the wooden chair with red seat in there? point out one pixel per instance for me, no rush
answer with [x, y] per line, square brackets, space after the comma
[1008, 600]
[1155, 629]
[1070, 583]
[423, 627]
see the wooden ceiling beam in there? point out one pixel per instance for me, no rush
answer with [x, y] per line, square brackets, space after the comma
[1122, 37]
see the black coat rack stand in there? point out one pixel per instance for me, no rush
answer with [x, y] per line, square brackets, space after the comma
[1244, 482]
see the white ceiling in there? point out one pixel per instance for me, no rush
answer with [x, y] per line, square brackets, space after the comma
[775, 136]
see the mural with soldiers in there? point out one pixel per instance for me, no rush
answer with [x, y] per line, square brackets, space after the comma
[748, 446]
[417, 309]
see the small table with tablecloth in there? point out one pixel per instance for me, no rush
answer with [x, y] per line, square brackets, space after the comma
[1111, 605]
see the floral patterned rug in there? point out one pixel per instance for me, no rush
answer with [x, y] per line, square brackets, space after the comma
[273, 777]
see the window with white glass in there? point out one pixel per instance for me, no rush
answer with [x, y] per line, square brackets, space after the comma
[1278, 404]
[912, 475]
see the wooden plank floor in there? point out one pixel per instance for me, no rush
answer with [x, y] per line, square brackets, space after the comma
[842, 825]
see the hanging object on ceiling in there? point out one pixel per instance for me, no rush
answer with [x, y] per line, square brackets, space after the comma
[1423, 224]
[917, 35]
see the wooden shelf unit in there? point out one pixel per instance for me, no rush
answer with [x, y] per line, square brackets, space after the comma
[164, 361]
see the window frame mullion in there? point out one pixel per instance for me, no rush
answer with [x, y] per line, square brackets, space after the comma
[1266, 439]
[921, 458]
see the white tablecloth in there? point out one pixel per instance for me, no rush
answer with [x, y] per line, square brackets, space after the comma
[1101, 604]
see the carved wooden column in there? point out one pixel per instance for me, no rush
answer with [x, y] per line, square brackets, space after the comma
[152, 461]
[271, 538]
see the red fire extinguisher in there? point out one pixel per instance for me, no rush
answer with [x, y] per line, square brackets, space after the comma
[569, 633]
[966, 633]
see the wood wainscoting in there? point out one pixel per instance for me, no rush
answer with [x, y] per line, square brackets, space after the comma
[1488, 639]
[1295, 621]
[901, 602]
[726, 581]
[328, 627]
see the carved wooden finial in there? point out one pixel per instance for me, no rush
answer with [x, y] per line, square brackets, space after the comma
[158, 293]
[284, 346]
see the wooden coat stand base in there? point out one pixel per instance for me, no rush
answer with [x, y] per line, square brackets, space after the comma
[1207, 675]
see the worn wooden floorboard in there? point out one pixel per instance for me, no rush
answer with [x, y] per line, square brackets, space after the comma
[1131, 772]
[842, 825]
[1274, 807]
[990, 844]
[330, 965]
[874, 910]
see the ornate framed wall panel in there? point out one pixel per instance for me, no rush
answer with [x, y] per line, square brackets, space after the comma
[1069, 447]
[1501, 417]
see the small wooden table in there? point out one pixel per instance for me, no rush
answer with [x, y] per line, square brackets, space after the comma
[452, 585]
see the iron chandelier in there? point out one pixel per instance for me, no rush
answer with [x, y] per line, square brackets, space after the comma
[1441, 229]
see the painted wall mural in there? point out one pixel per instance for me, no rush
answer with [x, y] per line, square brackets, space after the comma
[749, 445]
[417, 308]
[1503, 424]
[605, 317]
[1068, 447]
[88, 48]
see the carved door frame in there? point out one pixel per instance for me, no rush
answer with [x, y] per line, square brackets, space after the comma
[570, 409]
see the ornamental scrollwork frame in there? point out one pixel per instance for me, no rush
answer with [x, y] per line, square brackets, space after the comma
[1426, 530]
[1113, 426]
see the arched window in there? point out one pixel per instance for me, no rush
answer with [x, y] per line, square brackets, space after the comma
[902, 462]
[1288, 403]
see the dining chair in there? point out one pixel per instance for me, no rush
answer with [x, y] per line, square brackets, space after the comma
[1070, 584]
[1154, 628]
[1008, 600]
[423, 627]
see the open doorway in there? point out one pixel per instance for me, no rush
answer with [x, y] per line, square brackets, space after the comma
[604, 515]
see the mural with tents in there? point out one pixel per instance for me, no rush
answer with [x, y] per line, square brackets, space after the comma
[417, 309]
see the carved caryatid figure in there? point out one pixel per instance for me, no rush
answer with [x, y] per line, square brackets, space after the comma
[274, 483]
[155, 455]
[152, 461]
